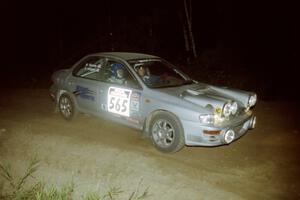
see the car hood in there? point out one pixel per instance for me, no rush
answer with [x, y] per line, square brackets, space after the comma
[208, 95]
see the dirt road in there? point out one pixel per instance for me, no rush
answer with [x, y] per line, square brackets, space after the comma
[96, 154]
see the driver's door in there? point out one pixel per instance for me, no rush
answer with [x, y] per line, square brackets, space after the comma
[120, 97]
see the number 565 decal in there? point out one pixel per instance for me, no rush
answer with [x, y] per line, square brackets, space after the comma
[118, 101]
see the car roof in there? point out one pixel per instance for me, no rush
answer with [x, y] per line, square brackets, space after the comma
[125, 55]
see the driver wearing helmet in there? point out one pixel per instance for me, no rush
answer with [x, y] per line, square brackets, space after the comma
[117, 75]
[145, 75]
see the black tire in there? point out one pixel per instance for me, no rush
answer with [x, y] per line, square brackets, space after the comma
[67, 107]
[166, 132]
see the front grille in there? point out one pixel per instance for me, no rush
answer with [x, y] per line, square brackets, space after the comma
[236, 120]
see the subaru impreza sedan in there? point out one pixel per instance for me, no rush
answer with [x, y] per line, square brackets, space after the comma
[148, 93]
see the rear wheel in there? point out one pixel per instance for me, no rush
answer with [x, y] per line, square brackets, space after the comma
[166, 132]
[67, 107]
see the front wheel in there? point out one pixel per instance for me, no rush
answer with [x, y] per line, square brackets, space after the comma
[67, 107]
[166, 132]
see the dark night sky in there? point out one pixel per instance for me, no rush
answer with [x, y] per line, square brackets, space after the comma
[39, 27]
[261, 36]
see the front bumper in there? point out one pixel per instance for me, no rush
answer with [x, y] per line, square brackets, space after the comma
[226, 133]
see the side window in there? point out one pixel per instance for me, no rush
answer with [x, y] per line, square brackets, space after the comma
[94, 68]
[119, 74]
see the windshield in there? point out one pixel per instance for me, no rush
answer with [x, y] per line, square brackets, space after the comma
[157, 73]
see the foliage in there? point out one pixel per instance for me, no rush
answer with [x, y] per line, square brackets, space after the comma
[17, 185]
[39, 190]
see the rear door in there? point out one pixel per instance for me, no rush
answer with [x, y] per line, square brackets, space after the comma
[88, 82]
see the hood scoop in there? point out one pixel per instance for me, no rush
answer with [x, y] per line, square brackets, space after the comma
[204, 95]
[199, 89]
[194, 92]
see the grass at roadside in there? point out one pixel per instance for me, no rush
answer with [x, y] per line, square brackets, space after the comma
[12, 188]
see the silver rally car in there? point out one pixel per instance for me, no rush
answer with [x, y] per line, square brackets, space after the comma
[150, 94]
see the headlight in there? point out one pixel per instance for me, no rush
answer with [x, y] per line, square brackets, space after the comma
[252, 100]
[227, 109]
[230, 108]
[207, 119]
[234, 107]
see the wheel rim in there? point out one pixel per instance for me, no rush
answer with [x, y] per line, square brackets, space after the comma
[66, 107]
[163, 133]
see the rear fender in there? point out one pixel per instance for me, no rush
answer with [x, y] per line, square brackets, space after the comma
[70, 94]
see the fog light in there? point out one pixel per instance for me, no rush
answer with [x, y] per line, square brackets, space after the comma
[229, 136]
[253, 122]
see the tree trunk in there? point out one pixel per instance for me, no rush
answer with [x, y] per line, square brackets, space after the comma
[188, 16]
[186, 39]
[187, 47]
